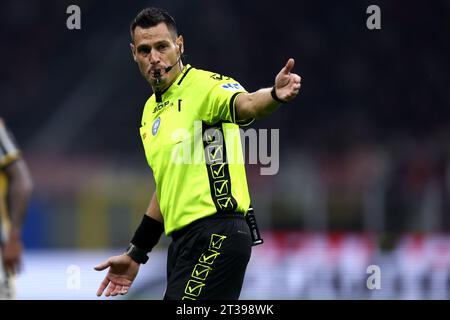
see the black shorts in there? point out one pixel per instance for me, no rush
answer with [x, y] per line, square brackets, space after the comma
[207, 259]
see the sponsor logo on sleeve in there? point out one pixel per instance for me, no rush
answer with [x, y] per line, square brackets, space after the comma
[232, 86]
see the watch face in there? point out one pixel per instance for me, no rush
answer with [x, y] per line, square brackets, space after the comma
[130, 247]
[138, 255]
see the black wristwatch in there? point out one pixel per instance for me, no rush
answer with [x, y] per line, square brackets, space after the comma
[138, 255]
[273, 93]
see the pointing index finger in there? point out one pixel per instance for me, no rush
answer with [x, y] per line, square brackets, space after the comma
[102, 266]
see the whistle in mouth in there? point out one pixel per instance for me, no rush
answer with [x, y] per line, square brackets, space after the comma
[157, 74]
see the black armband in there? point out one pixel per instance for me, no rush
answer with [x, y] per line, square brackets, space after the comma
[273, 93]
[145, 238]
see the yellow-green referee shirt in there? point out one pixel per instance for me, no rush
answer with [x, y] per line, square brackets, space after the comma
[193, 146]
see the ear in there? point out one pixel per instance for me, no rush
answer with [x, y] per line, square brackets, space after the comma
[180, 44]
[133, 51]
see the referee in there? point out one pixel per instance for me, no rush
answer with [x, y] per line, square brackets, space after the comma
[15, 191]
[190, 133]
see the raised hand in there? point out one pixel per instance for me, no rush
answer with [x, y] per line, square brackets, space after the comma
[287, 84]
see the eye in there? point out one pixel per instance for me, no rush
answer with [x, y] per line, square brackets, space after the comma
[144, 50]
[162, 47]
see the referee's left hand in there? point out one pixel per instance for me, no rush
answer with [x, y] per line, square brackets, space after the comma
[287, 84]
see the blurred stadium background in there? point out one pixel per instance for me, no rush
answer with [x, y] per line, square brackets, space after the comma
[364, 150]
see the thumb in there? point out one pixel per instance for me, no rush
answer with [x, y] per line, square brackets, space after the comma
[288, 67]
[103, 265]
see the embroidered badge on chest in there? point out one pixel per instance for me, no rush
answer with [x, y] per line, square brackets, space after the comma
[155, 126]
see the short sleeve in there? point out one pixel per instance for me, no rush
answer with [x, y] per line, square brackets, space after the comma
[8, 148]
[222, 99]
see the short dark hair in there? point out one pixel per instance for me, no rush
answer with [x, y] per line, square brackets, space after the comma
[150, 17]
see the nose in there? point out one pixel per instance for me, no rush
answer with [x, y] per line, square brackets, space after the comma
[154, 57]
